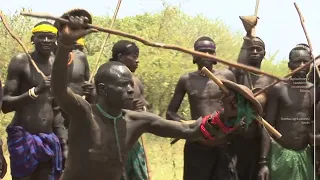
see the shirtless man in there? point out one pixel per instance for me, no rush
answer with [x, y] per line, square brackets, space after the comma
[127, 53]
[109, 132]
[201, 161]
[255, 48]
[79, 45]
[38, 156]
[316, 81]
[78, 75]
[247, 146]
[78, 72]
[289, 108]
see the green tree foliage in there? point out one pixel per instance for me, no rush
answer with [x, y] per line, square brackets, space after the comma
[159, 69]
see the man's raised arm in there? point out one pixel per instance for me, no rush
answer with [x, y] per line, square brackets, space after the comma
[64, 96]
[66, 99]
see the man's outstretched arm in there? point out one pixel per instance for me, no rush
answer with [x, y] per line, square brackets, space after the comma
[158, 126]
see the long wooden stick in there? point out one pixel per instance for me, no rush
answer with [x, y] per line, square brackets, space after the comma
[105, 41]
[303, 26]
[4, 22]
[254, 30]
[158, 45]
[103, 45]
[286, 76]
[300, 68]
[225, 90]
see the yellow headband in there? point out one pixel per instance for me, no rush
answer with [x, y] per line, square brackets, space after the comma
[45, 28]
[80, 42]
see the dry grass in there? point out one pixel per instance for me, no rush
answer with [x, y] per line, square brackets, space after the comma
[165, 161]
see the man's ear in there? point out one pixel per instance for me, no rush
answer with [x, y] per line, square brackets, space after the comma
[31, 39]
[290, 65]
[101, 88]
[119, 57]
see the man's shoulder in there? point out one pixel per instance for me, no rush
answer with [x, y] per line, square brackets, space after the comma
[79, 55]
[20, 58]
[186, 76]
[18, 62]
[225, 74]
[137, 115]
[132, 115]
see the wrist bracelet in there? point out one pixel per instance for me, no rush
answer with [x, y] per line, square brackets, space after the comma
[32, 94]
[263, 162]
[29, 93]
[263, 158]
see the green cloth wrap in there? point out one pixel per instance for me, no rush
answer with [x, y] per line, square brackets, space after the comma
[136, 167]
[287, 164]
[244, 109]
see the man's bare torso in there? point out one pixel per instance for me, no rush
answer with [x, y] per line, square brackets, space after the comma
[204, 94]
[36, 117]
[293, 119]
[97, 156]
[78, 71]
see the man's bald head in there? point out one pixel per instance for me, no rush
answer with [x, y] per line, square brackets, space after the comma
[110, 72]
[114, 84]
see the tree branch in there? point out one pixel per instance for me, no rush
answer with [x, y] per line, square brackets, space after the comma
[21, 44]
[158, 45]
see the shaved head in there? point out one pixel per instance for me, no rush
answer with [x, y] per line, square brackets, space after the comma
[111, 72]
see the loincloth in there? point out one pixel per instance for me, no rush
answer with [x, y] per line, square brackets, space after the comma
[208, 163]
[288, 164]
[136, 167]
[28, 150]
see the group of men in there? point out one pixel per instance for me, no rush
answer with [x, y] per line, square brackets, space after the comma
[65, 127]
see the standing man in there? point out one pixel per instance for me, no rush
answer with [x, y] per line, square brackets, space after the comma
[255, 49]
[127, 53]
[316, 81]
[289, 108]
[35, 151]
[247, 145]
[201, 160]
[108, 131]
[78, 75]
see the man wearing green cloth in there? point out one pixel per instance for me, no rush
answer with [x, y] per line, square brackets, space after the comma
[289, 108]
[127, 53]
